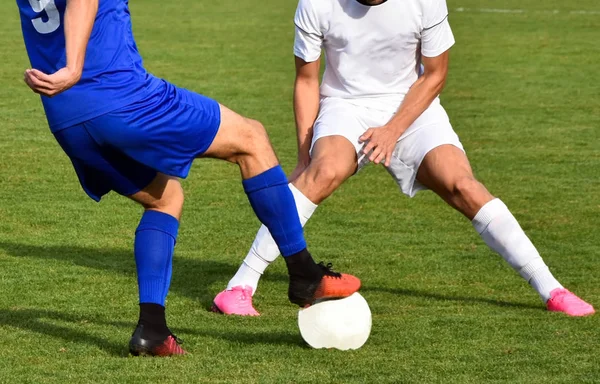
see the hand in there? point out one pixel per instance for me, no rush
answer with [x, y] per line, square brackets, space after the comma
[51, 85]
[381, 141]
[300, 167]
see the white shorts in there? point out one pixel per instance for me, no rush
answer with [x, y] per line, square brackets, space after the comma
[340, 117]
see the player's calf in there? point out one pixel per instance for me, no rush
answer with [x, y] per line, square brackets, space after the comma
[154, 245]
[245, 142]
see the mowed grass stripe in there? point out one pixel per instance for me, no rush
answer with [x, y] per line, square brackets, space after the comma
[521, 94]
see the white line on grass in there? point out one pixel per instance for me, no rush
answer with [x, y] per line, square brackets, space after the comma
[500, 10]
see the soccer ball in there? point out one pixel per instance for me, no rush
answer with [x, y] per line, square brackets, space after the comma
[341, 324]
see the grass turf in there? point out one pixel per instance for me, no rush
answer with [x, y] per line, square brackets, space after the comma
[522, 94]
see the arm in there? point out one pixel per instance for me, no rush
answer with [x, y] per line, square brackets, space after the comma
[308, 43]
[382, 140]
[306, 105]
[422, 93]
[436, 40]
[79, 21]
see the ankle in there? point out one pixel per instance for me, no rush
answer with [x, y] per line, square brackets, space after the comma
[153, 319]
[301, 264]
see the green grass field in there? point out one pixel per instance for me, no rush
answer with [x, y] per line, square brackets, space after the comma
[522, 94]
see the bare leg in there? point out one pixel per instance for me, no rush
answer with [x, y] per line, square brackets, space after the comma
[245, 142]
[154, 245]
[333, 161]
[163, 194]
[446, 171]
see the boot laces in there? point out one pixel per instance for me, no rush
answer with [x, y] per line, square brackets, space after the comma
[327, 268]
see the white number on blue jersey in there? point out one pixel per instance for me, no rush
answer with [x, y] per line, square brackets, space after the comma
[53, 22]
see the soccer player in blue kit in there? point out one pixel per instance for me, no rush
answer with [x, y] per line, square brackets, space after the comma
[130, 132]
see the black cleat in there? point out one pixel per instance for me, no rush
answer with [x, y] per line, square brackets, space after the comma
[329, 285]
[139, 346]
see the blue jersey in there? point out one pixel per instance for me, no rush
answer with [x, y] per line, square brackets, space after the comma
[113, 74]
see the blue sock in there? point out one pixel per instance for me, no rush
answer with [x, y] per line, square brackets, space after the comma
[274, 205]
[154, 244]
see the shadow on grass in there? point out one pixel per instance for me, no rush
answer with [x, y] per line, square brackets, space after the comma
[437, 296]
[291, 338]
[201, 273]
[192, 278]
[44, 322]
[36, 321]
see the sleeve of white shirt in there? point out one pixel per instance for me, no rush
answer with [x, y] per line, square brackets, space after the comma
[309, 37]
[436, 36]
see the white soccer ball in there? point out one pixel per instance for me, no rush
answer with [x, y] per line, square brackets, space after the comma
[341, 324]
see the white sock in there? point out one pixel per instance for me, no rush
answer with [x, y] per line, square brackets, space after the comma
[501, 232]
[264, 250]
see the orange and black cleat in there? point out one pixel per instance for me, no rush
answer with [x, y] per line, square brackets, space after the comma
[330, 285]
[139, 346]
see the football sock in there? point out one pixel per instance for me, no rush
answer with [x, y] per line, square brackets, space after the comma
[264, 250]
[154, 244]
[152, 317]
[501, 232]
[302, 266]
[274, 205]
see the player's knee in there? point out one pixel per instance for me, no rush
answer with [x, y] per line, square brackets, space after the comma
[252, 138]
[175, 197]
[466, 188]
[325, 177]
[170, 201]
[254, 143]
[258, 139]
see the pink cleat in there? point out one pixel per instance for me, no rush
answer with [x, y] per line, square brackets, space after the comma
[236, 301]
[561, 300]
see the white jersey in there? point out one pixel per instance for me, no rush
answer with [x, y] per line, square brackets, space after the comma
[373, 53]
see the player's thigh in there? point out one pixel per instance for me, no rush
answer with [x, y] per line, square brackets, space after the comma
[433, 150]
[334, 147]
[333, 162]
[446, 171]
[410, 164]
[335, 154]
[442, 166]
[337, 117]
[239, 136]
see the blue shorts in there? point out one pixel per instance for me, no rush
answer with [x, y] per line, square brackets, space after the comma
[123, 150]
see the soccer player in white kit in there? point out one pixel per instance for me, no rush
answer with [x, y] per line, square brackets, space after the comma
[373, 105]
